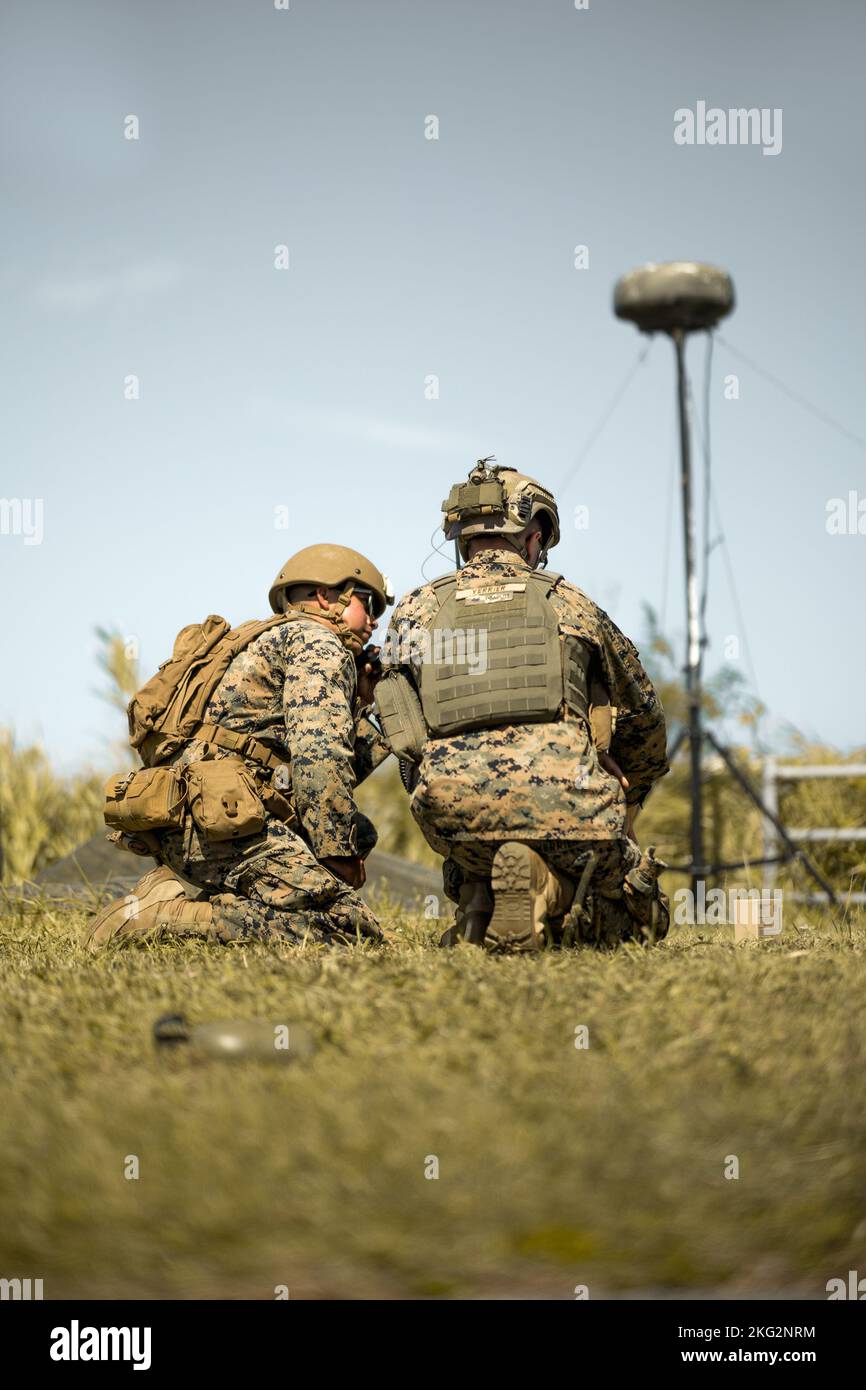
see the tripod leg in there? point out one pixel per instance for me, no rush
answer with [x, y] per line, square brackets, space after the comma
[677, 744]
[794, 849]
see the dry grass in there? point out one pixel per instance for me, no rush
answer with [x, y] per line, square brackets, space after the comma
[42, 816]
[557, 1166]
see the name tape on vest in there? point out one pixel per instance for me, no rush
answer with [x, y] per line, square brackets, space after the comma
[502, 593]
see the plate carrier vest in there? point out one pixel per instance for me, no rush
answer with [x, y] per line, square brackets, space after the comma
[496, 656]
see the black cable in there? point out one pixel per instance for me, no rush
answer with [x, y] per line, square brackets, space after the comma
[711, 503]
[708, 366]
[435, 551]
[621, 390]
[666, 560]
[795, 395]
[735, 595]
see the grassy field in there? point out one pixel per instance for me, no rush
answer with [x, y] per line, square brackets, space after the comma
[558, 1166]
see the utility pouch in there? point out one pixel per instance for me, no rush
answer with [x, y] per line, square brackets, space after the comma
[276, 804]
[601, 724]
[399, 711]
[150, 799]
[602, 715]
[223, 799]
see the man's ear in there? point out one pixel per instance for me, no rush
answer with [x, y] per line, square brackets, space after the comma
[322, 598]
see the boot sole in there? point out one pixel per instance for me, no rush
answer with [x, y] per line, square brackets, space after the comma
[511, 926]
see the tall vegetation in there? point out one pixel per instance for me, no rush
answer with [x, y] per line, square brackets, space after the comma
[43, 816]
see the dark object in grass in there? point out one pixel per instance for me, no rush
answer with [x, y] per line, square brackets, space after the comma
[235, 1039]
[170, 1030]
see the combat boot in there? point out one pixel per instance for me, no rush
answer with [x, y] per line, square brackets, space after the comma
[647, 905]
[157, 900]
[527, 893]
[474, 907]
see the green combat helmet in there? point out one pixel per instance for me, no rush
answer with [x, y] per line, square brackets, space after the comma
[498, 501]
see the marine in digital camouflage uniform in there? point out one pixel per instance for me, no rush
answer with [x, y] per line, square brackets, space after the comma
[295, 688]
[546, 785]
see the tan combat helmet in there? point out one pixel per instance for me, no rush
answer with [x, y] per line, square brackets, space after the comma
[498, 501]
[332, 567]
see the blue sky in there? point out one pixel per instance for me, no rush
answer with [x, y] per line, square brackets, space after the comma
[271, 396]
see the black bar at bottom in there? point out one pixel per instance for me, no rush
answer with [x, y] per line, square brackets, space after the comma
[234, 1339]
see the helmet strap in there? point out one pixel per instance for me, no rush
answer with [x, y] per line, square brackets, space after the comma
[332, 617]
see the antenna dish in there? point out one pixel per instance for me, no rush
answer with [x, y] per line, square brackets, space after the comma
[677, 296]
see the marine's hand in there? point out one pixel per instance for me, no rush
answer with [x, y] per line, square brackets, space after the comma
[350, 869]
[369, 672]
[612, 767]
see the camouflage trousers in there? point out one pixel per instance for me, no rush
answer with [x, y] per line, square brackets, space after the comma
[271, 886]
[608, 921]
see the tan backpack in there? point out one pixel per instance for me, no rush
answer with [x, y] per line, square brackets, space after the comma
[169, 710]
[167, 713]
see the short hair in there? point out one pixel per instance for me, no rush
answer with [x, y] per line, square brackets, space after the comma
[299, 592]
[540, 522]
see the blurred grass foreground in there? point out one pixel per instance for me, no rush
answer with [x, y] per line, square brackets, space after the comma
[689, 1116]
[686, 1117]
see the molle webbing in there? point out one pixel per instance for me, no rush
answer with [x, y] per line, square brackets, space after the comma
[575, 675]
[231, 741]
[496, 656]
[170, 710]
